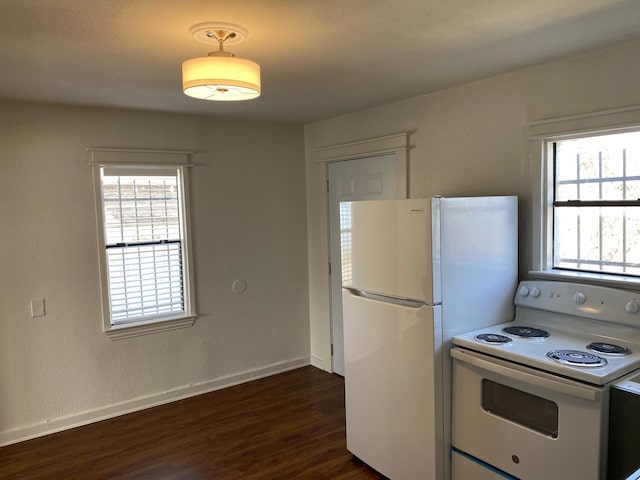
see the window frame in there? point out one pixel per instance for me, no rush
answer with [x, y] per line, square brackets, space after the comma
[542, 162]
[139, 161]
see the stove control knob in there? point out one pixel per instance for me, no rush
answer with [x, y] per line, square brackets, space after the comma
[535, 292]
[631, 307]
[579, 298]
[524, 291]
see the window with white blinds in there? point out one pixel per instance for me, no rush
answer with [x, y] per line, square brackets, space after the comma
[144, 256]
[143, 241]
[345, 242]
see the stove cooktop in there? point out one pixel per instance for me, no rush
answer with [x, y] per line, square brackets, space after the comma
[534, 352]
[586, 333]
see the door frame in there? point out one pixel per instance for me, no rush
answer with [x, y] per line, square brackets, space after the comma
[397, 144]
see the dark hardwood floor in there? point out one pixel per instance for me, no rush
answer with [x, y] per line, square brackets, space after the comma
[288, 426]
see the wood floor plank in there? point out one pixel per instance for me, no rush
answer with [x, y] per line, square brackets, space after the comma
[289, 426]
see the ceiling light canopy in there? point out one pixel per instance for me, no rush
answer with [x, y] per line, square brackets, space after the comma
[220, 75]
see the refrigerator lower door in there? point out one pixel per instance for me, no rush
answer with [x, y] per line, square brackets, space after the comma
[392, 364]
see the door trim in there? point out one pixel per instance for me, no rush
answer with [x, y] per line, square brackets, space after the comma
[370, 147]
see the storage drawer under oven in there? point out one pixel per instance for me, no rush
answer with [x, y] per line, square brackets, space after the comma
[528, 423]
[465, 467]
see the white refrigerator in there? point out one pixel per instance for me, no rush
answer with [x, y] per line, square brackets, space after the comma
[418, 272]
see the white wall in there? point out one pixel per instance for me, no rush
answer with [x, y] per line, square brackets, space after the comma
[467, 140]
[248, 222]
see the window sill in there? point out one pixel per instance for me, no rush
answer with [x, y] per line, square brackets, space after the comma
[139, 329]
[616, 281]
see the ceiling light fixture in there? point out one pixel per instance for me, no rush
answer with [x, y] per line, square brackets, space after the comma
[220, 76]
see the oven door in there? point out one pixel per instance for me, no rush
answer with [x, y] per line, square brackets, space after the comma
[528, 423]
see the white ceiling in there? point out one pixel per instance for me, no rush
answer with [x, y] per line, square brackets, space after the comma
[319, 58]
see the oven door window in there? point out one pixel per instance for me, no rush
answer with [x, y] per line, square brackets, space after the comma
[530, 411]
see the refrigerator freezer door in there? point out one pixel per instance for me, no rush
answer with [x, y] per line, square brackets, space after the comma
[392, 355]
[391, 245]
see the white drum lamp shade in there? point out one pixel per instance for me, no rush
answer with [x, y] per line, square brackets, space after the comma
[222, 78]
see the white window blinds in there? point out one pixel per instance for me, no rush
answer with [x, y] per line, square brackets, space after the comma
[144, 242]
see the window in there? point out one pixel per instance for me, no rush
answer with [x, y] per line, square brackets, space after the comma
[144, 248]
[596, 205]
[345, 242]
[522, 408]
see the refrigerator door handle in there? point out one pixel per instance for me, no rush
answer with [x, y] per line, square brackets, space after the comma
[405, 302]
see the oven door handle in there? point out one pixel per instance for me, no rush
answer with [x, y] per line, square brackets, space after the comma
[538, 380]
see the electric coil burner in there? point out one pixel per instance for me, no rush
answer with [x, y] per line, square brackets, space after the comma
[493, 338]
[527, 332]
[577, 358]
[550, 318]
[608, 348]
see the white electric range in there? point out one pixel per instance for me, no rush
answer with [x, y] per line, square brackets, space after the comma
[531, 396]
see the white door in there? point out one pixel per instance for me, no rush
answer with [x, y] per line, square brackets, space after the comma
[372, 178]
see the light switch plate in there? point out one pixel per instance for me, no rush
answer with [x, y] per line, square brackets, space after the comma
[37, 307]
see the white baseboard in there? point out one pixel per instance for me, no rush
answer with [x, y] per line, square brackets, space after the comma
[90, 416]
[319, 362]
